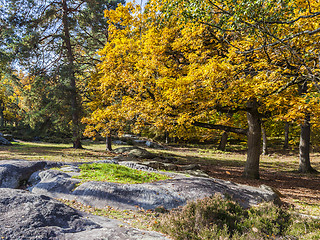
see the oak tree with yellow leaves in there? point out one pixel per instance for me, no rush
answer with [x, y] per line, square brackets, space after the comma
[185, 64]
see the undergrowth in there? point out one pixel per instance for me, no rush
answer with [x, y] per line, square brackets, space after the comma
[217, 218]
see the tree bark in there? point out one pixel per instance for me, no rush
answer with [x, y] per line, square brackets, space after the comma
[251, 169]
[264, 141]
[1, 114]
[304, 147]
[108, 142]
[166, 135]
[286, 135]
[220, 127]
[71, 74]
[223, 141]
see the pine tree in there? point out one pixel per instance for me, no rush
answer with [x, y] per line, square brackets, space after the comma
[58, 39]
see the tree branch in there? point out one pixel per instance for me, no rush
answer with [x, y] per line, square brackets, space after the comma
[292, 21]
[220, 127]
[281, 41]
[230, 109]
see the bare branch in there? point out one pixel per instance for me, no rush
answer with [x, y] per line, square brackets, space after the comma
[281, 40]
[292, 21]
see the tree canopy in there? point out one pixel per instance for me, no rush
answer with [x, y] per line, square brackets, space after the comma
[175, 67]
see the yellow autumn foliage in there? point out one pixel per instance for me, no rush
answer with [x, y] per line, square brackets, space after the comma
[166, 72]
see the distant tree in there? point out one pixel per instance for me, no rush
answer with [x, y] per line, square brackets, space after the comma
[9, 103]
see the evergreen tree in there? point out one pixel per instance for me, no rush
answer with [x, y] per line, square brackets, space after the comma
[58, 39]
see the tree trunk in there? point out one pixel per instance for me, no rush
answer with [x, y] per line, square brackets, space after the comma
[71, 75]
[304, 147]
[1, 114]
[251, 169]
[286, 135]
[108, 142]
[223, 141]
[264, 141]
[166, 136]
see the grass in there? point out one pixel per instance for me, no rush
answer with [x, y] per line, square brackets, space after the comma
[283, 162]
[35, 151]
[96, 151]
[143, 219]
[304, 207]
[117, 174]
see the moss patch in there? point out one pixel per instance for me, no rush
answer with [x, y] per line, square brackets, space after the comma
[116, 173]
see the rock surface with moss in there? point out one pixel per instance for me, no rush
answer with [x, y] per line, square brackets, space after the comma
[164, 194]
[169, 193]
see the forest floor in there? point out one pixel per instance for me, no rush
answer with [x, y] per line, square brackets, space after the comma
[278, 169]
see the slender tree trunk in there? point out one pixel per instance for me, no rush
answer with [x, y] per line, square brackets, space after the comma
[166, 136]
[1, 114]
[108, 142]
[223, 141]
[286, 135]
[75, 110]
[304, 147]
[251, 169]
[264, 141]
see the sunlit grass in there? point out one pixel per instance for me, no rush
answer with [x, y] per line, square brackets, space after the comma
[275, 161]
[305, 207]
[54, 152]
[195, 154]
[116, 173]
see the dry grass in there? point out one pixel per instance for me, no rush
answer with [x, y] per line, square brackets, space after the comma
[54, 152]
[139, 218]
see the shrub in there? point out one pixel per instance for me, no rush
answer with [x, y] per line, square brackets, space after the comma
[209, 218]
[218, 218]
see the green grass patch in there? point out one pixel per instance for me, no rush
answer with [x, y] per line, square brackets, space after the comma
[116, 173]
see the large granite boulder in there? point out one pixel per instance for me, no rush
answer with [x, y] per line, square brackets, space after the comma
[59, 184]
[24, 215]
[168, 194]
[15, 173]
[134, 152]
[28, 216]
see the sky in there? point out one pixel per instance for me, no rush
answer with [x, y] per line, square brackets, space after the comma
[138, 1]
